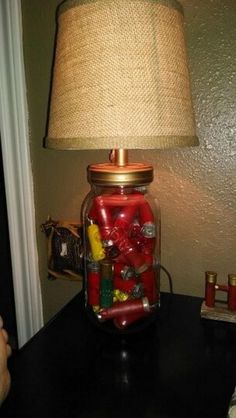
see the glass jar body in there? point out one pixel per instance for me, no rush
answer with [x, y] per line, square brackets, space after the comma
[122, 256]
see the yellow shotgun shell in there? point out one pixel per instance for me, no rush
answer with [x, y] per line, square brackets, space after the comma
[97, 250]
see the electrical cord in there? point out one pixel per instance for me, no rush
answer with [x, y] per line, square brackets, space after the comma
[169, 278]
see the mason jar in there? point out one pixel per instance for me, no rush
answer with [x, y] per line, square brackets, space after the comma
[121, 223]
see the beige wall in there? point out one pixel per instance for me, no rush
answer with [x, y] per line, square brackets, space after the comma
[196, 187]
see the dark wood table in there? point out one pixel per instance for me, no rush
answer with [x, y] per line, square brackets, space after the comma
[181, 366]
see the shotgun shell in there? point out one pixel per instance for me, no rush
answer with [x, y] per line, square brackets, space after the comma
[126, 272]
[146, 214]
[149, 260]
[147, 246]
[97, 250]
[125, 308]
[121, 200]
[232, 292]
[104, 217]
[137, 260]
[125, 246]
[126, 286]
[148, 230]
[148, 280]
[93, 284]
[119, 296]
[135, 231]
[125, 216]
[110, 249]
[138, 291]
[210, 288]
[106, 289]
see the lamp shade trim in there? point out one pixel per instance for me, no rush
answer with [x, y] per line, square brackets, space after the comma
[158, 142]
[174, 4]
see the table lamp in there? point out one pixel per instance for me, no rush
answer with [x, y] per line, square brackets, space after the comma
[120, 82]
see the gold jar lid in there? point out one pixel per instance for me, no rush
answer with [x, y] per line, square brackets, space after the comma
[132, 174]
[232, 279]
[211, 277]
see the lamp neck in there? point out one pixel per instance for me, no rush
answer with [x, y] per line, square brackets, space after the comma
[119, 157]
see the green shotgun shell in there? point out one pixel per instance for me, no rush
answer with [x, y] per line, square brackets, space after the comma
[106, 283]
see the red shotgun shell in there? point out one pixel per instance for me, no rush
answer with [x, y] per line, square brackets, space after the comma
[210, 289]
[124, 285]
[124, 271]
[146, 214]
[134, 306]
[126, 216]
[232, 292]
[148, 279]
[103, 217]
[127, 248]
[120, 200]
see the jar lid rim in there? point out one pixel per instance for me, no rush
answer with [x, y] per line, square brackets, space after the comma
[111, 174]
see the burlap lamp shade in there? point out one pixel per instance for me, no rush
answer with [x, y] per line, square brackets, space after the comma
[120, 77]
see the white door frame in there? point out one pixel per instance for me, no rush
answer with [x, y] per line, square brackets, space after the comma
[18, 173]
